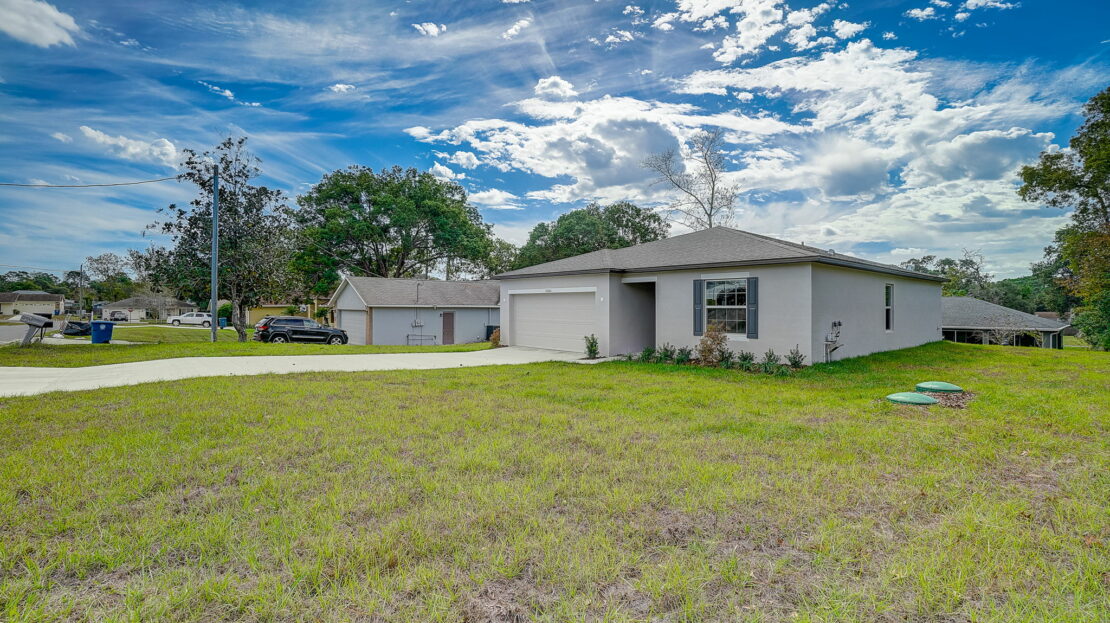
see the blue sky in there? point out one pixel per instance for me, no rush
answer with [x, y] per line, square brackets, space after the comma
[886, 128]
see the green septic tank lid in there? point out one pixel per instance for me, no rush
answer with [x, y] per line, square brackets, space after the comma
[911, 398]
[939, 386]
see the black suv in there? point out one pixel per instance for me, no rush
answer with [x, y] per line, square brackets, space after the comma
[282, 329]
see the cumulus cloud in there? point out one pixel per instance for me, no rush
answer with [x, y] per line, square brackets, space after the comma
[430, 29]
[981, 155]
[341, 88]
[59, 136]
[989, 4]
[554, 87]
[515, 29]
[160, 150]
[464, 159]
[495, 199]
[922, 14]
[847, 30]
[445, 173]
[761, 20]
[37, 22]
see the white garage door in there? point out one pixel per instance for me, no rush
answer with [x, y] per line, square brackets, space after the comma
[558, 321]
[354, 323]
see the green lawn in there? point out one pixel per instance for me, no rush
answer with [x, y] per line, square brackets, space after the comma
[1071, 341]
[77, 356]
[172, 335]
[564, 492]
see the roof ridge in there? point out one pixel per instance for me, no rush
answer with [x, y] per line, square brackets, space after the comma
[777, 241]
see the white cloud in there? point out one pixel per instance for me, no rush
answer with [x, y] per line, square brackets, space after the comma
[762, 19]
[445, 173]
[226, 93]
[665, 21]
[159, 150]
[889, 36]
[922, 14]
[961, 16]
[847, 30]
[909, 251]
[464, 159]
[944, 4]
[65, 138]
[515, 29]
[981, 155]
[430, 29]
[495, 199]
[632, 9]
[990, 4]
[37, 22]
[554, 87]
[340, 87]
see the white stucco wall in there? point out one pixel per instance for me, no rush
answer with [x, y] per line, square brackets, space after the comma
[349, 299]
[393, 325]
[784, 307]
[600, 282]
[30, 307]
[856, 298]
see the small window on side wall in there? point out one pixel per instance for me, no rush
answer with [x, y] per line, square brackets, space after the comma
[889, 306]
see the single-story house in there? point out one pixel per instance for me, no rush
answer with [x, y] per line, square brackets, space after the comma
[277, 308]
[765, 293]
[970, 320]
[139, 308]
[1051, 315]
[31, 302]
[375, 310]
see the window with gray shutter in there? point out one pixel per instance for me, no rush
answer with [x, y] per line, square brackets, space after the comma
[753, 308]
[699, 302]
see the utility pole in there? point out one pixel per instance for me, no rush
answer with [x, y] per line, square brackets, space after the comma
[212, 309]
[81, 293]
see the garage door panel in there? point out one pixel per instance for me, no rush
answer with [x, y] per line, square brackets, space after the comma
[354, 323]
[557, 321]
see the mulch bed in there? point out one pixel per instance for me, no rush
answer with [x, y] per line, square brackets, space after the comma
[954, 401]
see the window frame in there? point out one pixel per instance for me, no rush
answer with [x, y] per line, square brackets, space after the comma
[888, 307]
[743, 332]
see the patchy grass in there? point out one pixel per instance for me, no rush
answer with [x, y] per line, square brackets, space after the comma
[78, 356]
[172, 335]
[1072, 341]
[555, 492]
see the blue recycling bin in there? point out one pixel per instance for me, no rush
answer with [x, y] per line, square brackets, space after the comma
[102, 331]
[223, 323]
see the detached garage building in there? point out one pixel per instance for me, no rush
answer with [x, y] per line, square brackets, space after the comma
[765, 294]
[374, 310]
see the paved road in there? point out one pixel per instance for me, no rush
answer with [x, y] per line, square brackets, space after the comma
[29, 381]
[12, 332]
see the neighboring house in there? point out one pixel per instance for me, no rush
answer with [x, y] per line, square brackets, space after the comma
[31, 302]
[374, 310]
[971, 320]
[766, 293]
[139, 308]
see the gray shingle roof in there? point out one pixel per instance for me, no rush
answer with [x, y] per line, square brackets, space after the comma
[29, 295]
[379, 291]
[717, 246]
[965, 312]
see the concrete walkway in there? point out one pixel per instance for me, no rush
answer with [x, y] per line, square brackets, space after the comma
[30, 381]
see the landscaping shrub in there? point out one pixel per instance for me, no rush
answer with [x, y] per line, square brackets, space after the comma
[592, 348]
[745, 360]
[795, 357]
[648, 354]
[495, 338]
[683, 355]
[712, 343]
[770, 362]
[726, 358]
[665, 354]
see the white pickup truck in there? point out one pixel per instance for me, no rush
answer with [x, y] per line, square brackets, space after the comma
[204, 319]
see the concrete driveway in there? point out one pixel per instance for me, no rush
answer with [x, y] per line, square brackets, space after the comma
[30, 381]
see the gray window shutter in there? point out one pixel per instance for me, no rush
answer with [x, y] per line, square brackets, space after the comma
[753, 307]
[699, 306]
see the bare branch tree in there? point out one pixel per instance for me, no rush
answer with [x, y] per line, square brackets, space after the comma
[704, 200]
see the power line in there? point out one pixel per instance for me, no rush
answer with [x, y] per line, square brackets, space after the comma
[161, 179]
